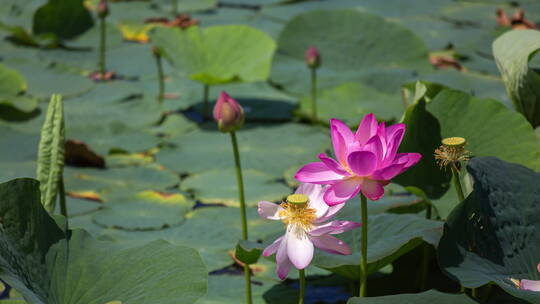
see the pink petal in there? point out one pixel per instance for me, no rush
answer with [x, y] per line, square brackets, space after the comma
[362, 163]
[268, 210]
[530, 285]
[317, 173]
[333, 165]
[375, 146]
[315, 193]
[396, 136]
[332, 210]
[389, 172]
[272, 248]
[334, 227]
[342, 129]
[366, 129]
[372, 189]
[331, 244]
[342, 191]
[299, 248]
[338, 142]
[413, 159]
[282, 260]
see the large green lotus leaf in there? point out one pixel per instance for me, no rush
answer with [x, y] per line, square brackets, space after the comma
[488, 127]
[267, 148]
[64, 18]
[423, 135]
[27, 235]
[428, 297]
[213, 231]
[79, 207]
[351, 51]
[389, 237]
[143, 211]
[45, 81]
[513, 51]
[149, 177]
[174, 125]
[350, 102]
[219, 186]
[490, 237]
[218, 54]
[47, 273]
[478, 85]
[186, 6]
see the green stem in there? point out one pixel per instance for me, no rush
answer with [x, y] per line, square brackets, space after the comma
[174, 5]
[457, 183]
[363, 257]
[102, 42]
[313, 94]
[62, 193]
[206, 109]
[459, 191]
[474, 293]
[161, 78]
[241, 196]
[302, 279]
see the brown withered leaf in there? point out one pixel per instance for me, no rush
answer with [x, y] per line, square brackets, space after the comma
[445, 62]
[87, 195]
[99, 77]
[182, 21]
[78, 154]
[517, 22]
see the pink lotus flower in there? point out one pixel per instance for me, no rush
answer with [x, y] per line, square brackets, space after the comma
[228, 113]
[305, 229]
[366, 161]
[531, 285]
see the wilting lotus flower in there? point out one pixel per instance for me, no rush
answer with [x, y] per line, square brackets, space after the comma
[366, 161]
[305, 228]
[228, 113]
[313, 58]
[531, 285]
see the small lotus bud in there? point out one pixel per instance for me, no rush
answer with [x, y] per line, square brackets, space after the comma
[313, 58]
[228, 113]
[102, 9]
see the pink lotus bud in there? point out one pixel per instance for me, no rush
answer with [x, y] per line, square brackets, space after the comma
[102, 9]
[228, 113]
[313, 58]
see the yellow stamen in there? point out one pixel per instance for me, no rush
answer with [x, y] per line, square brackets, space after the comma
[296, 213]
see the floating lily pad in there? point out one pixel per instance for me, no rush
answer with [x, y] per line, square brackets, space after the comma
[134, 178]
[351, 51]
[144, 211]
[350, 102]
[64, 18]
[267, 148]
[219, 186]
[218, 54]
[389, 237]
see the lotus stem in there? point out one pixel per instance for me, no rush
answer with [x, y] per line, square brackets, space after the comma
[62, 194]
[206, 109]
[174, 7]
[363, 248]
[161, 78]
[302, 279]
[102, 46]
[457, 183]
[314, 94]
[240, 182]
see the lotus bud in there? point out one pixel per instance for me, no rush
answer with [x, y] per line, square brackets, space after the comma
[102, 9]
[452, 152]
[313, 58]
[228, 113]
